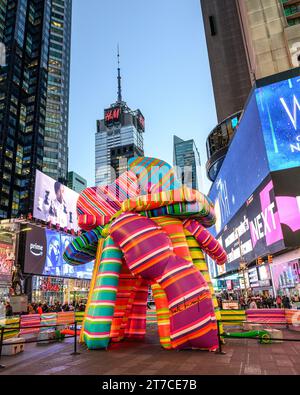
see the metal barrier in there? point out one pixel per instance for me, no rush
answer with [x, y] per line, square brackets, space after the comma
[6, 328]
[222, 336]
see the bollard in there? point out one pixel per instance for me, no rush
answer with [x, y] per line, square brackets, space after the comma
[219, 340]
[75, 341]
[1, 342]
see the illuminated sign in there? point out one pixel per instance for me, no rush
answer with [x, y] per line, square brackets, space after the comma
[141, 120]
[112, 116]
[54, 202]
[44, 250]
[279, 109]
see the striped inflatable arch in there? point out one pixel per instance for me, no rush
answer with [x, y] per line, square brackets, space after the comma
[147, 228]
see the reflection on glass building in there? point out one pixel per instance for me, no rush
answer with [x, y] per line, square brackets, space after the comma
[187, 162]
[218, 142]
[34, 95]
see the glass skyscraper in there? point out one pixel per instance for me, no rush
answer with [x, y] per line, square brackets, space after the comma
[34, 95]
[187, 162]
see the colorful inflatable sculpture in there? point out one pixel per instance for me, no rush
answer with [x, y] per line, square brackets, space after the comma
[148, 230]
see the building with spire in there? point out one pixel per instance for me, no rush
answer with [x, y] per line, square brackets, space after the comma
[119, 137]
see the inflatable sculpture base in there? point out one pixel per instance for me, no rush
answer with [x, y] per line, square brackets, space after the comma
[147, 230]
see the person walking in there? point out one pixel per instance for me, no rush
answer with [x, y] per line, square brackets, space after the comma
[278, 301]
[39, 310]
[253, 304]
[9, 310]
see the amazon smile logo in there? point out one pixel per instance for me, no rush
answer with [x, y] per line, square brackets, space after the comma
[36, 249]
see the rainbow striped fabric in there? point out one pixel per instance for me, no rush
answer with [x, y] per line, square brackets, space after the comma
[266, 316]
[96, 206]
[154, 233]
[30, 324]
[153, 175]
[192, 317]
[98, 319]
[206, 241]
[48, 319]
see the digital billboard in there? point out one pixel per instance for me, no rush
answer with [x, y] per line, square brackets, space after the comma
[255, 230]
[285, 275]
[44, 255]
[55, 202]
[7, 257]
[287, 190]
[244, 168]
[7, 249]
[279, 110]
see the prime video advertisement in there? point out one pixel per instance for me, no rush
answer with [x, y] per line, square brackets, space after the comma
[44, 255]
[54, 202]
[279, 110]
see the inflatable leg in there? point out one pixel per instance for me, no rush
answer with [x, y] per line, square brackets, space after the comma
[163, 316]
[148, 252]
[136, 325]
[101, 308]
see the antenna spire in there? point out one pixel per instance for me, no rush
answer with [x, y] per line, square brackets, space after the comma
[119, 78]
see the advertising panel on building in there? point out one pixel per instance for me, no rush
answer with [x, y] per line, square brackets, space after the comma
[257, 194]
[54, 202]
[44, 250]
[8, 233]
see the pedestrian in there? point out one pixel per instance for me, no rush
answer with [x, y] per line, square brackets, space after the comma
[286, 302]
[253, 304]
[39, 310]
[30, 309]
[278, 301]
[9, 310]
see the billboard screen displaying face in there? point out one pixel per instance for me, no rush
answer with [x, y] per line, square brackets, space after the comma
[244, 168]
[54, 202]
[44, 255]
[279, 110]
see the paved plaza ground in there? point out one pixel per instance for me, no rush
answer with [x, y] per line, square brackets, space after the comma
[243, 357]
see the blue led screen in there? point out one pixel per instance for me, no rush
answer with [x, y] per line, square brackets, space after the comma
[244, 168]
[279, 109]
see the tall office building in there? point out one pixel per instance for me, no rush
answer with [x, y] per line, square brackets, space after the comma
[186, 160]
[76, 182]
[248, 40]
[34, 94]
[119, 137]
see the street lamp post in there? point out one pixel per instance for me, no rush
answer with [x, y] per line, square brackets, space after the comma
[243, 265]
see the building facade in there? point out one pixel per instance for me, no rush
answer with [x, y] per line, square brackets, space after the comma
[247, 40]
[227, 56]
[76, 182]
[119, 137]
[34, 91]
[256, 193]
[186, 160]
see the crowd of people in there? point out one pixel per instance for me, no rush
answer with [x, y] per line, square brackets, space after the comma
[259, 301]
[40, 308]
